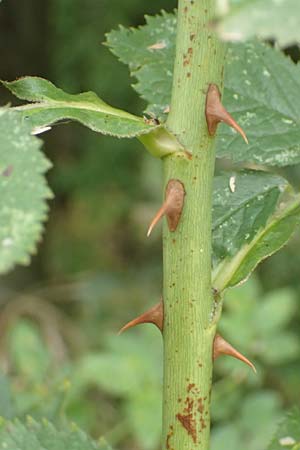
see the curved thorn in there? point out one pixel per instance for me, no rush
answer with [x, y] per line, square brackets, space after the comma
[222, 347]
[227, 118]
[215, 113]
[160, 213]
[154, 315]
[172, 206]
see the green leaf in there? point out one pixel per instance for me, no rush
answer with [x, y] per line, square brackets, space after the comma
[288, 433]
[246, 226]
[260, 90]
[240, 211]
[23, 190]
[36, 436]
[52, 104]
[267, 19]
[149, 51]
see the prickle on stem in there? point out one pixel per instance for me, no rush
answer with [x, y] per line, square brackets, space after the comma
[216, 113]
[172, 206]
[222, 347]
[154, 315]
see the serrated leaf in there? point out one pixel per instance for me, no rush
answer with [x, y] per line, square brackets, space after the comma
[248, 223]
[52, 104]
[261, 86]
[33, 435]
[149, 51]
[288, 433]
[267, 19]
[239, 213]
[23, 190]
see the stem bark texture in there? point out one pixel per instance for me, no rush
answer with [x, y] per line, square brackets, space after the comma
[188, 299]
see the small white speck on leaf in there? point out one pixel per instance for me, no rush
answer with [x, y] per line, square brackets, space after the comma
[157, 46]
[232, 183]
[287, 441]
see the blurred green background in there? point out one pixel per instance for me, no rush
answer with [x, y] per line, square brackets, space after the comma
[60, 354]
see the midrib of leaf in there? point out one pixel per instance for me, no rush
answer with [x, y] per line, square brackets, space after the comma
[226, 270]
[82, 105]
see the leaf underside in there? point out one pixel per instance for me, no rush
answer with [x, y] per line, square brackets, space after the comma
[261, 86]
[23, 190]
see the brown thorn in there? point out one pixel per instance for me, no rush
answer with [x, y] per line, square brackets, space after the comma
[222, 347]
[160, 213]
[154, 315]
[172, 206]
[215, 113]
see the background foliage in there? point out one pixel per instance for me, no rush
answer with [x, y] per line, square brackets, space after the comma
[94, 270]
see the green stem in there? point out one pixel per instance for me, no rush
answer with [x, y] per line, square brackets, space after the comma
[188, 333]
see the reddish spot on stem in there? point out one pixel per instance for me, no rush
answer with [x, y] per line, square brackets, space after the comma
[190, 387]
[202, 423]
[189, 405]
[169, 436]
[200, 406]
[189, 424]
